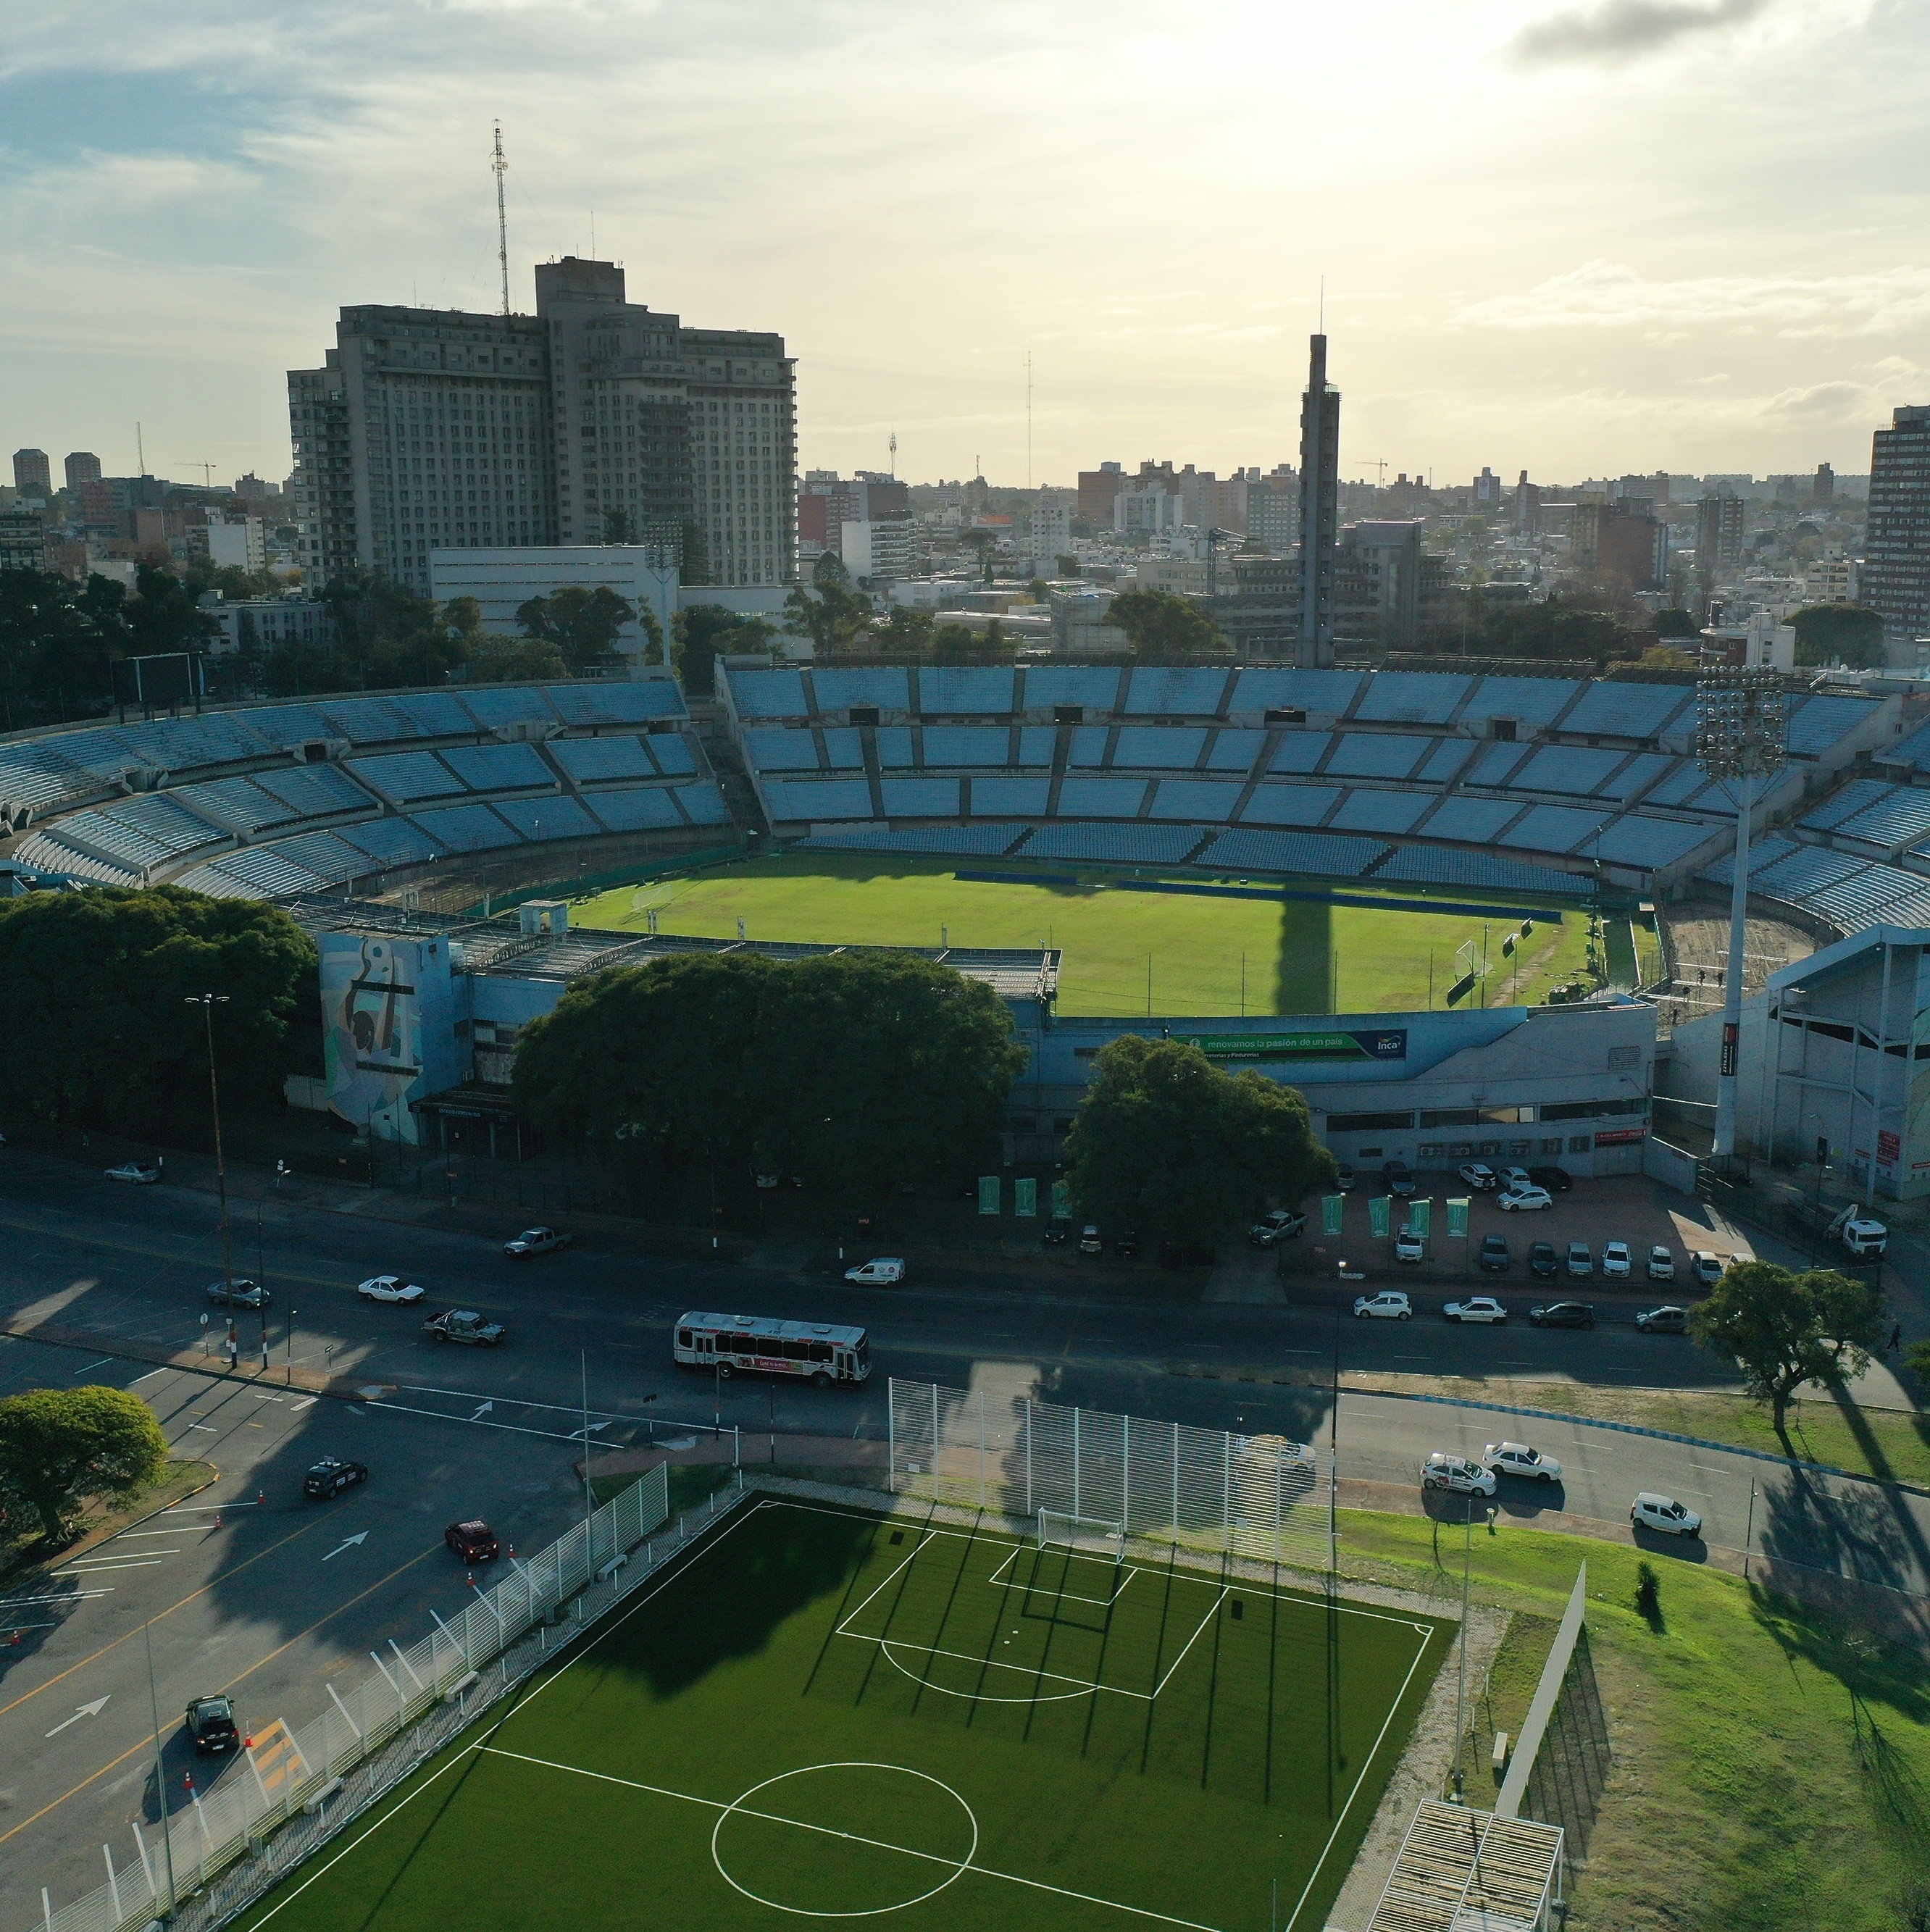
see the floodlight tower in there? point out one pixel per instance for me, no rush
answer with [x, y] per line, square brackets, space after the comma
[1742, 731]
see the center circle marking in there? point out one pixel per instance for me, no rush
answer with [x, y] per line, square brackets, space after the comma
[742, 1802]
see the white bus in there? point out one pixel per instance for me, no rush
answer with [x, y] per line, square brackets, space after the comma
[731, 1345]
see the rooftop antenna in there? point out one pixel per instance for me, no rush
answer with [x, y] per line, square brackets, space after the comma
[1028, 419]
[894, 454]
[500, 167]
[1323, 305]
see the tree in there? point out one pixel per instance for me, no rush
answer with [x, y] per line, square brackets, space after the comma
[906, 632]
[387, 638]
[1159, 624]
[59, 1447]
[1557, 628]
[1844, 633]
[618, 526]
[163, 616]
[1784, 1329]
[95, 983]
[582, 624]
[1677, 624]
[701, 633]
[833, 619]
[493, 660]
[1166, 1142]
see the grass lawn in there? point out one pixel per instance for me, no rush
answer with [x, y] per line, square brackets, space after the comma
[180, 1477]
[830, 1714]
[1771, 1763]
[1207, 957]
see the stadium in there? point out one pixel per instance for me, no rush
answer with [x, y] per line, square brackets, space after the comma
[1412, 868]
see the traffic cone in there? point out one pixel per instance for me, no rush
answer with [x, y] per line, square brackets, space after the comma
[217, 1519]
[261, 1498]
[470, 1579]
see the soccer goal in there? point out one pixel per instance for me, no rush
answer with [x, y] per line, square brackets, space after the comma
[1060, 1529]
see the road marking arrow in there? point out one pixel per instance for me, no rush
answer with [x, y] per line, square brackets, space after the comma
[92, 1710]
[348, 1543]
[483, 1411]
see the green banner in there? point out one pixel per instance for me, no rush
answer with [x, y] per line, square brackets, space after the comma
[988, 1194]
[1378, 1216]
[1374, 1043]
[1062, 1197]
[1457, 1218]
[1333, 1213]
[1421, 1216]
[1026, 1198]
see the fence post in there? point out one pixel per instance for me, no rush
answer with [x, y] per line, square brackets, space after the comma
[113, 1884]
[404, 1662]
[891, 1434]
[344, 1709]
[1226, 1492]
[1029, 1509]
[1126, 1476]
[1075, 1509]
[1175, 1482]
[981, 1448]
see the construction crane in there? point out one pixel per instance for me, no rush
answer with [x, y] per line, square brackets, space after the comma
[499, 166]
[207, 469]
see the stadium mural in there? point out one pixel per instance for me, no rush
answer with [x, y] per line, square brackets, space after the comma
[388, 1031]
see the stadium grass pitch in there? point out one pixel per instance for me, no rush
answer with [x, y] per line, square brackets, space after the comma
[1209, 956]
[825, 1714]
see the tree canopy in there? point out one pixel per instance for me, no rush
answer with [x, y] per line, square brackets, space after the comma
[1784, 1329]
[59, 1446]
[853, 1071]
[1844, 633]
[95, 984]
[582, 625]
[832, 619]
[1167, 1143]
[1160, 624]
[704, 632]
[1561, 628]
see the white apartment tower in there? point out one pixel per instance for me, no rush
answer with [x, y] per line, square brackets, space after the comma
[596, 420]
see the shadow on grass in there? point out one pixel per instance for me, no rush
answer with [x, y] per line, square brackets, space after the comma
[1305, 972]
[1873, 1670]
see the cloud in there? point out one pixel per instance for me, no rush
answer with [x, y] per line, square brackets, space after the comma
[1615, 31]
[1611, 295]
[1832, 402]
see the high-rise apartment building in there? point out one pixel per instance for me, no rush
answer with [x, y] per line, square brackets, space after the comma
[1718, 539]
[594, 421]
[33, 475]
[1895, 574]
[82, 466]
[1320, 507]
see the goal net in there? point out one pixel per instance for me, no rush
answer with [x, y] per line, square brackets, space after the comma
[1085, 1535]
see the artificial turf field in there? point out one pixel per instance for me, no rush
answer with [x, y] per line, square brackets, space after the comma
[832, 1714]
[1208, 956]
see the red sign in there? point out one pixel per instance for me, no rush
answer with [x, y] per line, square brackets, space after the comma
[1888, 1147]
[1729, 1033]
[1620, 1136]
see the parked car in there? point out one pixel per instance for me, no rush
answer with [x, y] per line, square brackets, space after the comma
[1058, 1231]
[1493, 1257]
[211, 1726]
[1344, 1180]
[141, 1173]
[1456, 1473]
[1616, 1262]
[1580, 1261]
[1651, 1511]
[1089, 1242]
[1707, 1268]
[1281, 1225]
[1513, 1179]
[1479, 1175]
[1390, 1304]
[1517, 1459]
[390, 1287]
[333, 1475]
[1126, 1246]
[1661, 1264]
[1554, 1179]
[1563, 1315]
[1399, 1180]
[464, 1324]
[1865, 1238]
[1476, 1308]
[882, 1271]
[1666, 1320]
[1525, 1200]
[536, 1241]
[239, 1293]
[474, 1541]
[1407, 1246]
[1543, 1260]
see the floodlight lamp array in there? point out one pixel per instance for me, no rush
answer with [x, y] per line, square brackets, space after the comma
[1742, 719]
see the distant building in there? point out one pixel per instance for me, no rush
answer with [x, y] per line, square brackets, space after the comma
[1096, 490]
[1047, 534]
[1761, 641]
[1527, 507]
[1624, 540]
[1896, 547]
[236, 543]
[33, 475]
[1273, 507]
[884, 547]
[269, 621]
[1719, 536]
[1822, 485]
[502, 579]
[22, 540]
[82, 466]
[1385, 585]
[1485, 493]
[1149, 511]
[1320, 507]
[1832, 577]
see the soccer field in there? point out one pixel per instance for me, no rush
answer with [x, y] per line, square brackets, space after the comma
[1207, 956]
[831, 1714]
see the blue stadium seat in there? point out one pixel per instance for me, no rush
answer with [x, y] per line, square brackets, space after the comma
[1435, 865]
[703, 803]
[1858, 796]
[981, 840]
[771, 748]
[1367, 809]
[495, 705]
[401, 777]
[919, 798]
[1093, 685]
[955, 745]
[1234, 749]
[1411, 697]
[1313, 854]
[1088, 745]
[315, 791]
[1009, 798]
[1037, 743]
[1158, 748]
[498, 767]
[1100, 798]
[1288, 804]
[894, 748]
[1574, 769]
[1898, 819]
[1123, 844]
[1649, 842]
[768, 693]
[391, 841]
[844, 748]
[1300, 751]
[466, 828]
[193, 744]
[1153, 692]
[436, 714]
[644, 808]
[543, 818]
[614, 701]
[884, 686]
[1629, 710]
[1816, 724]
[1475, 821]
[1375, 755]
[369, 721]
[1912, 750]
[1197, 799]
[1321, 693]
[672, 751]
[1555, 828]
[1537, 702]
[1642, 769]
[1442, 764]
[792, 799]
[954, 690]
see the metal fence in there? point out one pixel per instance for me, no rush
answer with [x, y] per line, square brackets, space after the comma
[1258, 1496]
[355, 1750]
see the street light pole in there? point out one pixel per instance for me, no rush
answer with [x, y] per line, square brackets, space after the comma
[208, 1002]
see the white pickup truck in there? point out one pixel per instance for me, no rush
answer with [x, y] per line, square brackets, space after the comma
[536, 1241]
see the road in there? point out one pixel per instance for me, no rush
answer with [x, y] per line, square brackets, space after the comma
[270, 1596]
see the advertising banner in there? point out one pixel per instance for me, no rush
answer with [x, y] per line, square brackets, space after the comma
[1026, 1198]
[1062, 1197]
[1366, 1043]
[1333, 1213]
[1421, 1216]
[1457, 1218]
[1378, 1216]
[988, 1194]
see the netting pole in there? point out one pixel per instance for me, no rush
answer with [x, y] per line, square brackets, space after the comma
[1226, 1491]
[1075, 1509]
[1175, 1482]
[1125, 1484]
[981, 1448]
[891, 1431]
[935, 1491]
[1028, 1456]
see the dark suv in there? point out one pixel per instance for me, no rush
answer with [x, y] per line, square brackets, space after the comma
[1058, 1231]
[210, 1723]
[1554, 1179]
[1399, 1180]
[1493, 1256]
[473, 1541]
[1543, 1260]
[333, 1475]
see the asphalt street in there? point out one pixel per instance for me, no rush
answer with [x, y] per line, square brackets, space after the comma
[252, 1588]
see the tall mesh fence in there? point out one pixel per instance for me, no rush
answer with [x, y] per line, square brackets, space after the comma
[285, 1772]
[1094, 1473]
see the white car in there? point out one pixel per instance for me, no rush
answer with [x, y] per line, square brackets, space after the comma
[1661, 1264]
[1865, 1238]
[1517, 1459]
[390, 1287]
[1476, 1308]
[1513, 1180]
[1443, 1471]
[1616, 1258]
[1525, 1200]
[1390, 1304]
[141, 1173]
[1478, 1174]
[886, 1271]
[1407, 1246]
[1651, 1511]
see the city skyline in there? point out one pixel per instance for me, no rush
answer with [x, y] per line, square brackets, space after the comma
[1579, 239]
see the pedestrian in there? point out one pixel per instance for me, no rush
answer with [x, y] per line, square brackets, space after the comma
[234, 1355]
[1895, 1337]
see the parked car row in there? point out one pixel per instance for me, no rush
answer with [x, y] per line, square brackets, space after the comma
[1392, 1304]
[1480, 1476]
[1618, 1262]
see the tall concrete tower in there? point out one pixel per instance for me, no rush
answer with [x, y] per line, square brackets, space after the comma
[1320, 508]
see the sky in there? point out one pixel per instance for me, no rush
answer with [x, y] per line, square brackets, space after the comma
[1580, 237]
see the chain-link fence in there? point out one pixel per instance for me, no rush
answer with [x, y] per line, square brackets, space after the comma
[1121, 1476]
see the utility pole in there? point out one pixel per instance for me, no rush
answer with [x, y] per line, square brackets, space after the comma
[1028, 419]
[208, 1002]
[499, 166]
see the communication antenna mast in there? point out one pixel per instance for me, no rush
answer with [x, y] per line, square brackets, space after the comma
[499, 166]
[1028, 419]
[894, 454]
